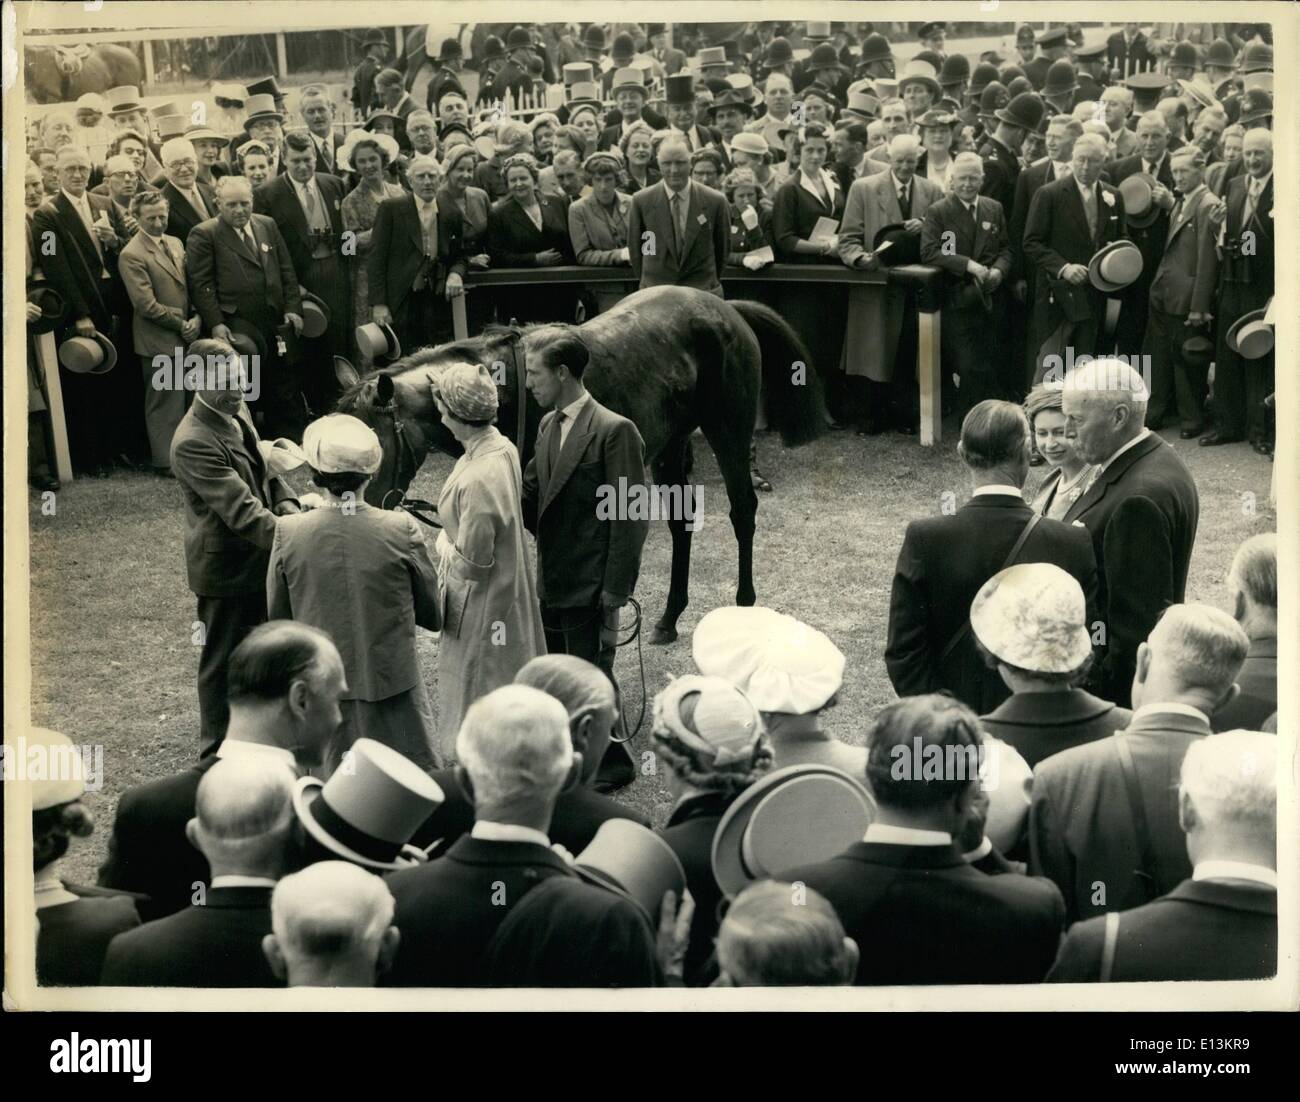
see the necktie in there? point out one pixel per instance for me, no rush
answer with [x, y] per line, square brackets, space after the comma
[315, 214]
[905, 200]
[327, 153]
[679, 220]
[196, 201]
[556, 443]
[1090, 209]
[1252, 200]
[429, 229]
[88, 217]
[250, 238]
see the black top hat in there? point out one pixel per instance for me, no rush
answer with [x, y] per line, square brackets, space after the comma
[493, 48]
[956, 68]
[1060, 79]
[778, 53]
[374, 37]
[1221, 54]
[266, 86]
[905, 247]
[875, 48]
[1184, 54]
[450, 50]
[679, 89]
[594, 37]
[1025, 111]
[824, 56]
[53, 307]
[518, 39]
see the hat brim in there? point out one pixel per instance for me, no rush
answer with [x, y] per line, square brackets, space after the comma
[1094, 267]
[302, 809]
[1234, 331]
[53, 308]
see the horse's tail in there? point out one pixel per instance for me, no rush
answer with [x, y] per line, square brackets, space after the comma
[794, 393]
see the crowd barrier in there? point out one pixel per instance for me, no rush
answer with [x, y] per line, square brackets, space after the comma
[924, 281]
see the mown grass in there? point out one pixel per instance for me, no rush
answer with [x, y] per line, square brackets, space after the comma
[113, 662]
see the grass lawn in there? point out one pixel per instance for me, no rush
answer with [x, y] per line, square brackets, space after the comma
[111, 614]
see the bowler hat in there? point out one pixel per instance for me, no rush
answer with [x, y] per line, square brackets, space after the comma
[1138, 193]
[623, 49]
[378, 342]
[1025, 111]
[1019, 87]
[730, 98]
[450, 50]
[374, 37]
[261, 106]
[778, 53]
[1115, 266]
[93, 355]
[518, 39]
[632, 860]
[1060, 79]
[493, 48]
[315, 314]
[679, 90]
[1184, 54]
[1221, 54]
[904, 245]
[994, 97]
[1250, 337]
[53, 307]
[593, 38]
[795, 816]
[955, 70]
[368, 813]
[1198, 350]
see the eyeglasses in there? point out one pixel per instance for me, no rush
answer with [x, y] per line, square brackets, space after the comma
[188, 162]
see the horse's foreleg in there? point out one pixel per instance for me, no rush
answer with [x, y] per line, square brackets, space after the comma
[731, 446]
[679, 585]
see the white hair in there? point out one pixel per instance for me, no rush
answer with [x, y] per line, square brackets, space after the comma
[1089, 140]
[1109, 378]
[1154, 118]
[225, 183]
[514, 743]
[330, 909]
[1231, 778]
[1254, 569]
[782, 81]
[967, 158]
[1118, 92]
[900, 144]
[175, 148]
[1260, 134]
[423, 161]
[1203, 647]
[511, 133]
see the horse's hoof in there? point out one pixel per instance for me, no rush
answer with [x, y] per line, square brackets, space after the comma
[745, 600]
[662, 636]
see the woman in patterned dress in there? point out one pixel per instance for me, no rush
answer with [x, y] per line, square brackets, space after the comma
[367, 156]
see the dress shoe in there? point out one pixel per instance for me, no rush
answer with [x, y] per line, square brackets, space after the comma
[1214, 439]
[45, 483]
[1187, 434]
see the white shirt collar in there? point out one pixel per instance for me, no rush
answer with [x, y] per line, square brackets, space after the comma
[571, 410]
[1125, 447]
[301, 188]
[486, 831]
[1175, 708]
[235, 881]
[1011, 491]
[684, 191]
[1187, 199]
[1235, 870]
[906, 836]
[78, 203]
[420, 204]
[899, 184]
[220, 413]
[1257, 186]
[1156, 164]
[238, 748]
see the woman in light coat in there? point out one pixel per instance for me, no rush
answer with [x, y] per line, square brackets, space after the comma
[491, 621]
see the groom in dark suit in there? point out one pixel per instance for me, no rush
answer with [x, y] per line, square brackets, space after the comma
[588, 556]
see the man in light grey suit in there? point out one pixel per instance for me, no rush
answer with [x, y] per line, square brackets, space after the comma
[872, 344]
[688, 250]
[152, 266]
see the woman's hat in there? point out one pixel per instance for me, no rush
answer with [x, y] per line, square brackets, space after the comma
[1115, 266]
[726, 725]
[386, 142]
[633, 861]
[53, 307]
[381, 113]
[315, 314]
[467, 390]
[378, 342]
[935, 117]
[341, 443]
[60, 785]
[93, 355]
[780, 664]
[1250, 336]
[603, 161]
[794, 816]
[200, 133]
[368, 812]
[754, 144]
[1033, 616]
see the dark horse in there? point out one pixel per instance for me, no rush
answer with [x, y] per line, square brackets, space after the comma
[671, 359]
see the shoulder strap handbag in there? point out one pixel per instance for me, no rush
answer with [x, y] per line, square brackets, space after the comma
[964, 630]
[1147, 873]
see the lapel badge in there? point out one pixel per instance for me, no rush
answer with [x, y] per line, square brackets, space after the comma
[265, 247]
[987, 225]
[702, 219]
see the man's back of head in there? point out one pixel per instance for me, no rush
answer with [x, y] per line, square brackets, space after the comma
[995, 443]
[1192, 656]
[784, 935]
[1252, 579]
[243, 816]
[1228, 799]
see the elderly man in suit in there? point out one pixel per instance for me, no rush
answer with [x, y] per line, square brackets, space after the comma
[243, 823]
[284, 684]
[307, 206]
[965, 234]
[945, 560]
[242, 278]
[1182, 298]
[1069, 220]
[415, 265]
[1252, 581]
[1103, 818]
[189, 200]
[679, 231]
[588, 554]
[152, 266]
[231, 502]
[1141, 511]
[878, 343]
[909, 888]
[1246, 280]
[78, 237]
[1221, 922]
[515, 753]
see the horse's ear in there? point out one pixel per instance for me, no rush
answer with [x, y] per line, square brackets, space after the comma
[384, 389]
[345, 373]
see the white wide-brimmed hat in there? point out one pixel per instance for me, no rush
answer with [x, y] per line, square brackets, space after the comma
[1033, 616]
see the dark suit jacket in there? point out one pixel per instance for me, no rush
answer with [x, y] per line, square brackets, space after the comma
[578, 814]
[181, 215]
[1028, 181]
[921, 914]
[229, 525]
[1001, 173]
[1149, 239]
[689, 832]
[218, 944]
[514, 242]
[1186, 275]
[450, 910]
[942, 564]
[397, 252]
[985, 241]
[612, 131]
[1119, 51]
[74, 936]
[1141, 512]
[226, 278]
[278, 200]
[1042, 724]
[1202, 930]
[795, 211]
[581, 555]
[699, 261]
[148, 851]
[1258, 271]
[1258, 683]
[73, 266]
[1081, 828]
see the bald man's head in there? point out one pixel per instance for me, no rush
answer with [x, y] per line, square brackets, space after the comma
[1105, 401]
[243, 817]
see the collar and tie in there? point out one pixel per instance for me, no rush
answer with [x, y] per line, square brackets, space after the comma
[1254, 188]
[557, 437]
[327, 153]
[677, 204]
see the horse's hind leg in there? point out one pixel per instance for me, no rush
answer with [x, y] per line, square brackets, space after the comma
[673, 468]
[729, 436]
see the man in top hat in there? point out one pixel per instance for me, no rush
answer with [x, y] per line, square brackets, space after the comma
[446, 74]
[283, 684]
[1106, 811]
[243, 825]
[164, 321]
[415, 264]
[909, 887]
[670, 59]
[189, 200]
[1252, 585]
[1000, 151]
[918, 88]
[965, 234]
[1221, 922]
[242, 279]
[1128, 50]
[1246, 282]
[930, 647]
[516, 757]
[79, 238]
[1068, 222]
[125, 109]
[1055, 46]
[265, 124]
[374, 50]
